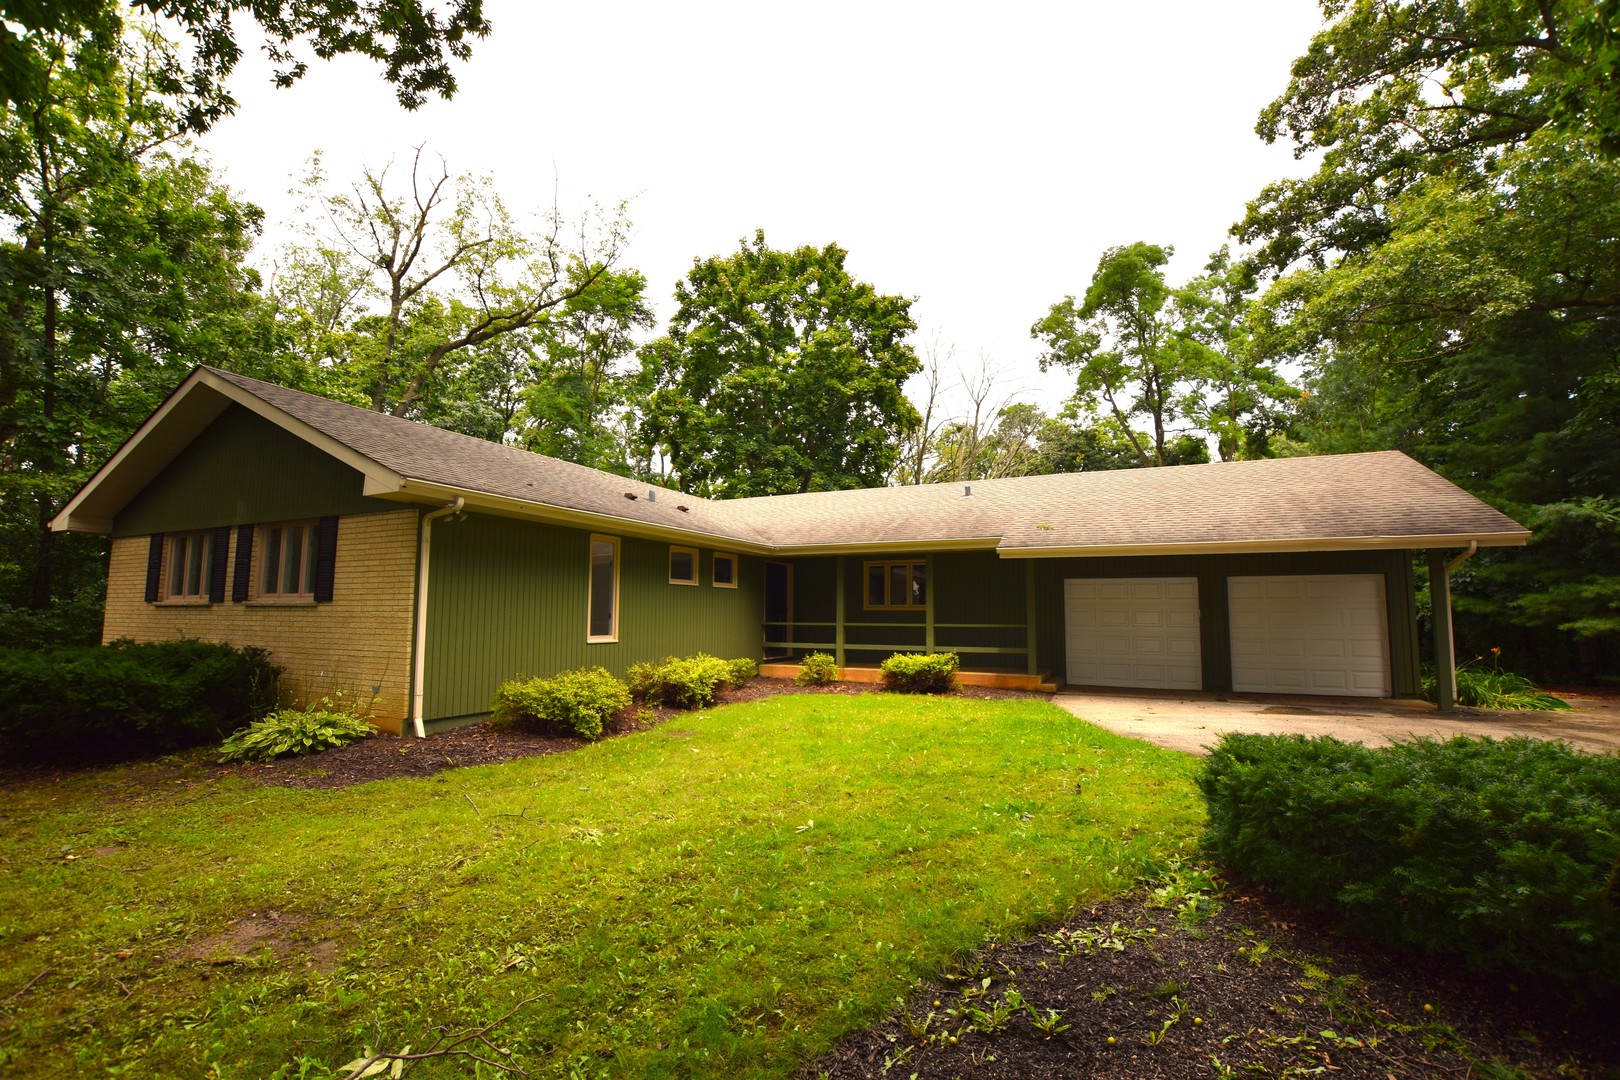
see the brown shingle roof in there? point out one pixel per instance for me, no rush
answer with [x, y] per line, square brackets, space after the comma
[1332, 501]
[436, 456]
[1347, 500]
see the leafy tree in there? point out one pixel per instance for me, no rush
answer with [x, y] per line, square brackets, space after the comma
[780, 373]
[1123, 345]
[1389, 94]
[1454, 291]
[120, 268]
[413, 41]
[401, 290]
[1234, 394]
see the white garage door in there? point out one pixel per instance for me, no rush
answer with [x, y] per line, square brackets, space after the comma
[1132, 632]
[1313, 634]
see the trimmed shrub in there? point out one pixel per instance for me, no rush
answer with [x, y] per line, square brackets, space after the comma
[296, 731]
[921, 673]
[741, 670]
[581, 702]
[1501, 853]
[124, 700]
[682, 683]
[817, 669]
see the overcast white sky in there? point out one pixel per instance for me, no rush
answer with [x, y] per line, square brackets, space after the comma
[979, 158]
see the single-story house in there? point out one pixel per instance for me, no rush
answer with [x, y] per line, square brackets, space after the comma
[374, 555]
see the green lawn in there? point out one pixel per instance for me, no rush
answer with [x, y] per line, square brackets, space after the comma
[724, 895]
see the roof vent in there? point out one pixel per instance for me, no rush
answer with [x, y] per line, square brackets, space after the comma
[682, 509]
[652, 494]
[632, 496]
[967, 490]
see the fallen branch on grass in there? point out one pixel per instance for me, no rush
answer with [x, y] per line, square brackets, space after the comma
[446, 1043]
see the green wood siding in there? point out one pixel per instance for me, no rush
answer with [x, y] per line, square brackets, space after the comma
[508, 598]
[1212, 572]
[243, 470]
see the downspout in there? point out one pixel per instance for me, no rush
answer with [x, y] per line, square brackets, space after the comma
[425, 545]
[1445, 649]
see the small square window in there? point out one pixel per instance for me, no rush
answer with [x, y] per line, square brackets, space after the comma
[725, 570]
[683, 563]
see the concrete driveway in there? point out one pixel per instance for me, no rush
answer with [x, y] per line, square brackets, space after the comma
[1195, 722]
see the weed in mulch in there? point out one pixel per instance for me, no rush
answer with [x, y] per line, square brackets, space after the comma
[1181, 980]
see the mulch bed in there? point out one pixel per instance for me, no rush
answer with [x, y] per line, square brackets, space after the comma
[1256, 990]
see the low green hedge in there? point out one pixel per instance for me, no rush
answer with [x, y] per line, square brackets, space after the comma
[582, 701]
[817, 669]
[1505, 854]
[921, 673]
[690, 682]
[110, 702]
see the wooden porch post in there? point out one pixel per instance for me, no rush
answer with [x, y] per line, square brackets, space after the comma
[1029, 613]
[928, 603]
[838, 616]
[1445, 654]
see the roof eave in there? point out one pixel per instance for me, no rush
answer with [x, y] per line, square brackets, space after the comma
[1516, 538]
[879, 547]
[417, 491]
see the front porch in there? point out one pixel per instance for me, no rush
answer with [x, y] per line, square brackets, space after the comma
[1042, 682]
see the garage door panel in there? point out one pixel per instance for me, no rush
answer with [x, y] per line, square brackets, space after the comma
[1312, 634]
[1133, 632]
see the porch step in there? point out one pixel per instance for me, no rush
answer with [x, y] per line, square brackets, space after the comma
[1002, 680]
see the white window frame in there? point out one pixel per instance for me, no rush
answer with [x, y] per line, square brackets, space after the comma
[277, 593]
[714, 573]
[177, 549]
[693, 553]
[590, 589]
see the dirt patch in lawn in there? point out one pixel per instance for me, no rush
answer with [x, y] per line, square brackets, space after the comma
[1255, 989]
[245, 939]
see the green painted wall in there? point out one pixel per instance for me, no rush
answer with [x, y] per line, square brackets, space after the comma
[508, 598]
[1212, 572]
[243, 470]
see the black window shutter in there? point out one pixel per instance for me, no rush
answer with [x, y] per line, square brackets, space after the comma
[240, 578]
[154, 568]
[325, 560]
[220, 550]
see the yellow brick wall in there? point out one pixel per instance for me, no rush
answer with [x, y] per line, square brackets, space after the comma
[361, 640]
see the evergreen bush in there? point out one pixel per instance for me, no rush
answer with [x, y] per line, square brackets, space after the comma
[1505, 854]
[582, 701]
[742, 669]
[124, 700]
[921, 673]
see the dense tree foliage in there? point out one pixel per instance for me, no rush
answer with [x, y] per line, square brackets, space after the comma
[413, 41]
[780, 373]
[121, 267]
[1449, 285]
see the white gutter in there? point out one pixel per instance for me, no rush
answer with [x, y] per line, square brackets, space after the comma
[424, 547]
[1473, 548]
